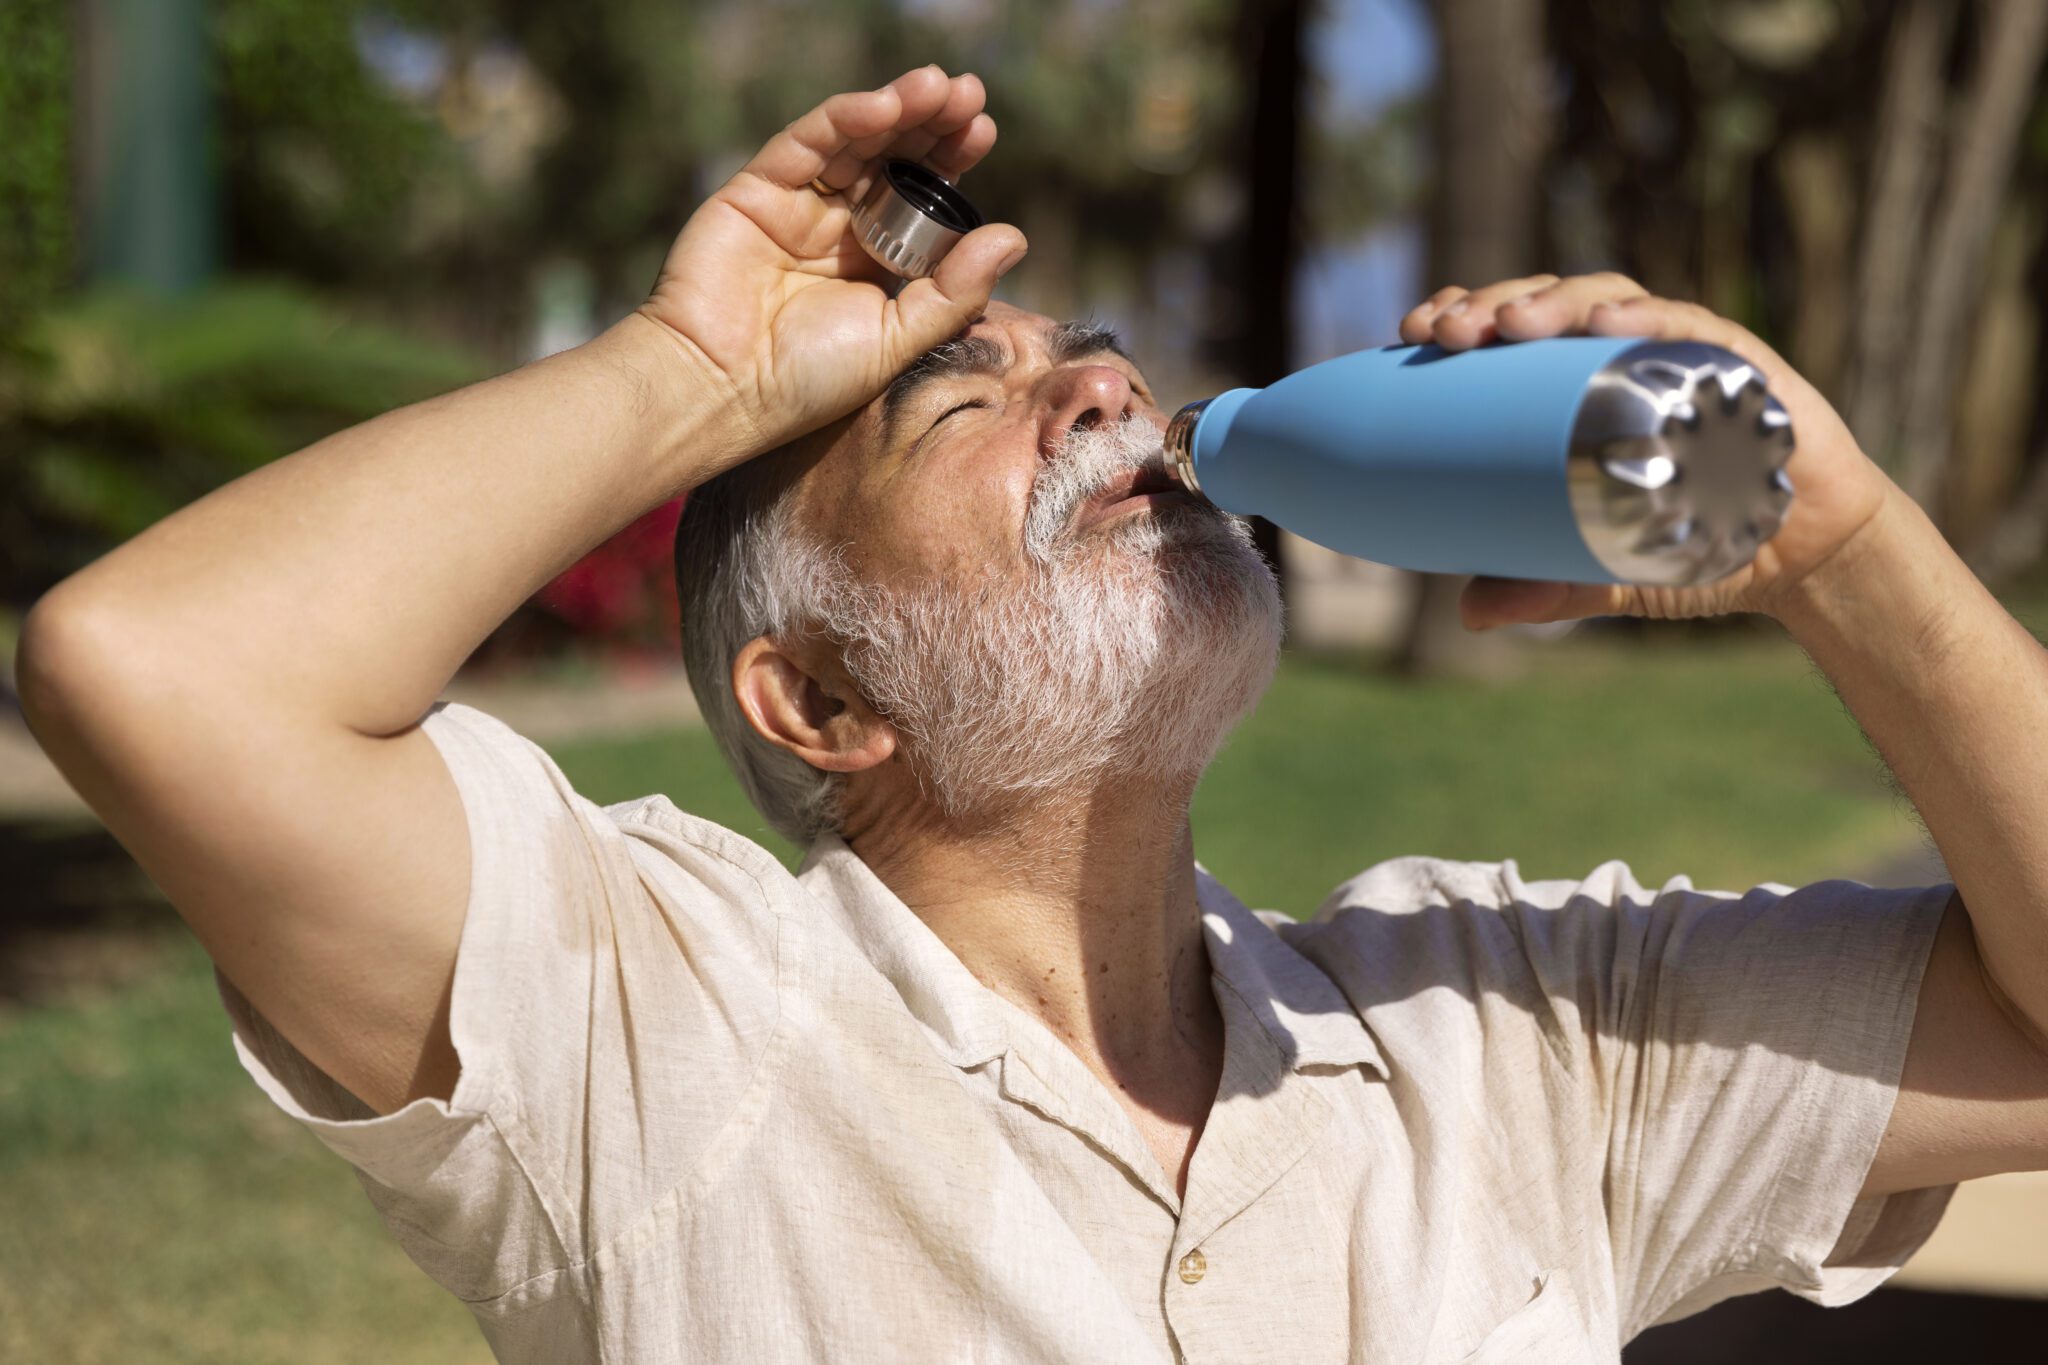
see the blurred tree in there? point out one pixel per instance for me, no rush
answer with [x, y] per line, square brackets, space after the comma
[1119, 134]
[1270, 37]
[36, 232]
[456, 167]
[1961, 214]
[1491, 120]
[118, 408]
[613, 185]
[1733, 157]
[328, 174]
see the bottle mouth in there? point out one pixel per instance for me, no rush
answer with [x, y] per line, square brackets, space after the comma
[1179, 445]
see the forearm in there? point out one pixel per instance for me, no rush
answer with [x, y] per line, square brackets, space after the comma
[1954, 694]
[346, 583]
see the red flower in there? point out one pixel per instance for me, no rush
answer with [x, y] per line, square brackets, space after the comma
[624, 590]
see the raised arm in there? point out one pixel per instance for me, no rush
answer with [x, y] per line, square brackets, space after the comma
[1951, 689]
[236, 691]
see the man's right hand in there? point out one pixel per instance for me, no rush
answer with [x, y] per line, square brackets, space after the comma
[768, 287]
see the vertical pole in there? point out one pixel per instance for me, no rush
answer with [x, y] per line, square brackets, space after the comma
[1275, 81]
[148, 159]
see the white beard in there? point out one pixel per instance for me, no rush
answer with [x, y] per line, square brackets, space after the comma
[1131, 650]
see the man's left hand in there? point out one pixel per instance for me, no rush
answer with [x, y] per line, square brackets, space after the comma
[1948, 686]
[1838, 493]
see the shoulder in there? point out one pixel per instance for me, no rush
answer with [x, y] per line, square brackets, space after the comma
[709, 851]
[1415, 884]
[1406, 929]
[1414, 900]
[639, 868]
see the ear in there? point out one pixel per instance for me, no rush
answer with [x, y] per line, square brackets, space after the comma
[800, 700]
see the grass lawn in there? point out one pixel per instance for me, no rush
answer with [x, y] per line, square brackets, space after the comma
[157, 1208]
[1731, 763]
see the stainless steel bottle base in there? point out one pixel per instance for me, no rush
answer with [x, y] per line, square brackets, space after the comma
[1677, 464]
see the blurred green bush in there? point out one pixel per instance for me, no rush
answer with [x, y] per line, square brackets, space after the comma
[117, 408]
[35, 156]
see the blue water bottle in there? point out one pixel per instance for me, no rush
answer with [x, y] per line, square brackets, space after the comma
[1582, 459]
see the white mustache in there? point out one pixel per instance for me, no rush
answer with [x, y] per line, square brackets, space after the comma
[1087, 460]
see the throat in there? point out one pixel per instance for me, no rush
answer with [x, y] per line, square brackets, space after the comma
[1086, 919]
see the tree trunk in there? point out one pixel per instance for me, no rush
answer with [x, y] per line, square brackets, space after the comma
[1819, 196]
[1491, 131]
[1982, 151]
[1995, 396]
[1271, 33]
[1904, 170]
[2016, 543]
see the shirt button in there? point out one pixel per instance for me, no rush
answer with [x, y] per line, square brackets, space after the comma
[1193, 1266]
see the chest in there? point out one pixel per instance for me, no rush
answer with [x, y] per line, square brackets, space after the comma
[1171, 1143]
[863, 1208]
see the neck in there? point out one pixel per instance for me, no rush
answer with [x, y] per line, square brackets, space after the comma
[1081, 911]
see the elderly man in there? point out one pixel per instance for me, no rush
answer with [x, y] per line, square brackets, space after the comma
[1002, 1074]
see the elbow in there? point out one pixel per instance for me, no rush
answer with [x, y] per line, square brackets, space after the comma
[62, 659]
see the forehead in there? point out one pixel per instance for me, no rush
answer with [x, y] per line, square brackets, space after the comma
[1001, 340]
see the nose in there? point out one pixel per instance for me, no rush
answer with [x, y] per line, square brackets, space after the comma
[1085, 396]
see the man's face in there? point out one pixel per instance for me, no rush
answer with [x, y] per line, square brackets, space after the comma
[933, 480]
[1029, 598]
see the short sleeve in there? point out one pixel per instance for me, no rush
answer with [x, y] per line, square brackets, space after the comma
[1744, 1054]
[615, 985]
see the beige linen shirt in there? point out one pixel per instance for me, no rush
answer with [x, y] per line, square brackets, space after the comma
[713, 1111]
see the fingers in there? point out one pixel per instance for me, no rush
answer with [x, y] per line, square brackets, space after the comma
[964, 102]
[1513, 310]
[959, 151]
[1604, 304]
[800, 152]
[932, 309]
[1564, 306]
[835, 141]
[1468, 320]
[933, 108]
[1670, 320]
[1415, 328]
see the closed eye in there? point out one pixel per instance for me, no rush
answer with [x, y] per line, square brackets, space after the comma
[957, 407]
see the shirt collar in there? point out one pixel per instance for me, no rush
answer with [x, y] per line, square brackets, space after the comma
[959, 1013]
[1310, 1020]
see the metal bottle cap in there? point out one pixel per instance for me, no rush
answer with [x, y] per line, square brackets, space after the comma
[910, 218]
[1677, 464]
[1179, 445]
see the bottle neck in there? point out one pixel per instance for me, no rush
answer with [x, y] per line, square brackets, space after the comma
[1180, 444]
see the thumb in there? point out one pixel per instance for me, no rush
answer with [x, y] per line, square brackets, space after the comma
[936, 307]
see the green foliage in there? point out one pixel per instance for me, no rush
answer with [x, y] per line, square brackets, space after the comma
[1078, 89]
[1358, 175]
[534, 135]
[118, 408]
[324, 166]
[36, 234]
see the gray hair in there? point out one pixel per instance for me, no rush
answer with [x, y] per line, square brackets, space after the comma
[744, 570]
